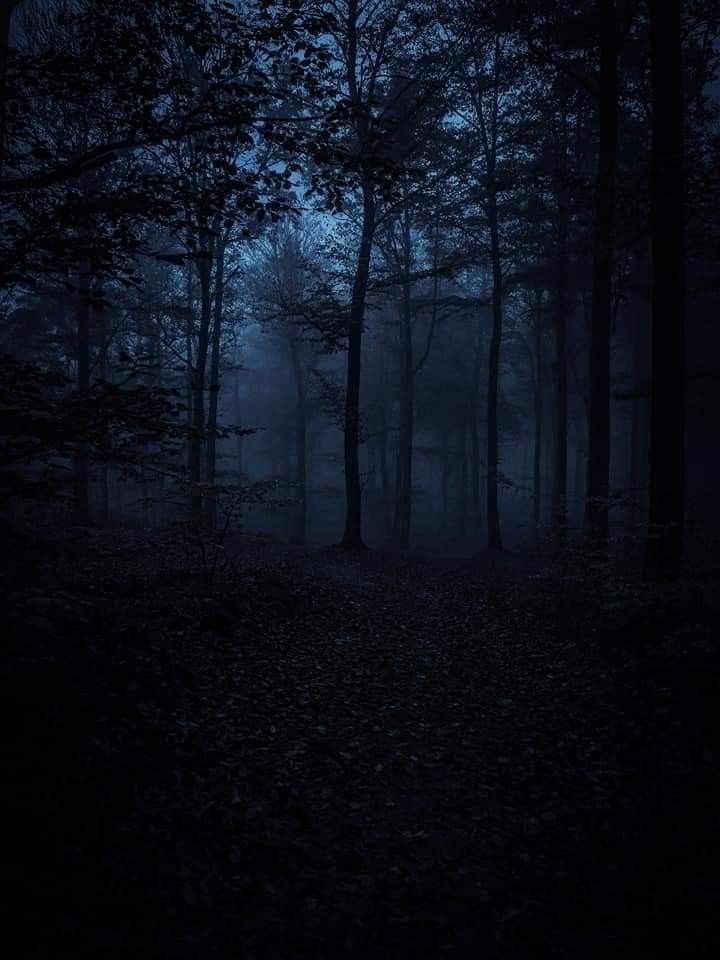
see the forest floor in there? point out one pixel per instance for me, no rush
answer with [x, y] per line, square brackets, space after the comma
[327, 755]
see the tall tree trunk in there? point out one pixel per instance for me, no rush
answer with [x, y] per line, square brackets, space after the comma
[637, 440]
[6, 12]
[560, 472]
[405, 452]
[581, 435]
[197, 436]
[82, 459]
[214, 388]
[475, 473]
[667, 402]
[297, 535]
[238, 422]
[474, 428]
[103, 514]
[539, 401]
[352, 536]
[385, 475]
[445, 479]
[189, 360]
[599, 453]
[407, 392]
[147, 333]
[463, 479]
[493, 515]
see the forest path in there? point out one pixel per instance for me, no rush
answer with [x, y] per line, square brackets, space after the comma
[371, 755]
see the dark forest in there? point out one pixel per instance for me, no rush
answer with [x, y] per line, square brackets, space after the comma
[360, 476]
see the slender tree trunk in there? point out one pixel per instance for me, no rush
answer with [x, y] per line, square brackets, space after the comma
[214, 389]
[636, 444]
[580, 469]
[445, 479]
[189, 360]
[463, 479]
[599, 452]
[197, 436]
[475, 473]
[238, 422]
[474, 429]
[6, 12]
[405, 452]
[104, 491]
[493, 515]
[147, 332]
[407, 397]
[385, 475]
[667, 402]
[299, 525]
[539, 402]
[82, 460]
[352, 536]
[560, 472]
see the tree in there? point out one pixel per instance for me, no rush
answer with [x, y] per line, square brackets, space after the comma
[492, 111]
[599, 452]
[667, 441]
[289, 298]
[400, 245]
[388, 69]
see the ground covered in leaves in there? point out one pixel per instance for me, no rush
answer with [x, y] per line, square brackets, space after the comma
[326, 755]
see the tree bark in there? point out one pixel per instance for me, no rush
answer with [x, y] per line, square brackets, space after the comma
[561, 406]
[474, 429]
[82, 459]
[598, 488]
[382, 441]
[407, 395]
[197, 435]
[6, 12]
[475, 471]
[352, 536]
[493, 515]
[298, 532]
[539, 401]
[103, 511]
[445, 480]
[214, 387]
[667, 403]
[463, 479]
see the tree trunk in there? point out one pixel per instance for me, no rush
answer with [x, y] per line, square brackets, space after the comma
[298, 532]
[238, 422]
[405, 452]
[407, 395]
[5, 22]
[385, 475]
[539, 401]
[560, 471]
[599, 453]
[82, 459]
[189, 362]
[463, 480]
[493, 515]
[474, 429]
[445, 479]
[197, 435]
[667, 402]
[103, 512]
[637, 440]
[211, 451]
[352, 536]
[475, 470]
